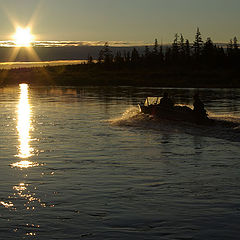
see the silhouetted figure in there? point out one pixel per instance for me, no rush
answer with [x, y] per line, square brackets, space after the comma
[199, 106]
[166, 102]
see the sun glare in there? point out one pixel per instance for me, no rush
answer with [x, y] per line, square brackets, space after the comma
[23, 37]
[24, 127]
[24, 123]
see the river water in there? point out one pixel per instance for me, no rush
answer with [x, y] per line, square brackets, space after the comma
[83, 163]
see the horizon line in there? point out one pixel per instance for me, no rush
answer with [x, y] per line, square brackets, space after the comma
[72, 43]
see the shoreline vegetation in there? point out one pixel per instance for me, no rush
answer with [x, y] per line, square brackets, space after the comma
[200, 65]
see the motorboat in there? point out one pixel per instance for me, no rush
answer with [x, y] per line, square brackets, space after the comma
[153, 107]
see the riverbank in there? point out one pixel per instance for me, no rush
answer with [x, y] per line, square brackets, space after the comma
[96, 75]
[14, 65]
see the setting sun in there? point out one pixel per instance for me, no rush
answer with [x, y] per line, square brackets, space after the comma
[23, 37]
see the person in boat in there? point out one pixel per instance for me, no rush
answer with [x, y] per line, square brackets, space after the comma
[198, 106]
[166, 102]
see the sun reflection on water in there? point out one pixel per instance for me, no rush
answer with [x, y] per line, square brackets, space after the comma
[23, 128]
[7, 204]
[24, 123]
[24, 164]
[31, 200]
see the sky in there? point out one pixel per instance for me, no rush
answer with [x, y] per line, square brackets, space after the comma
[121, 20]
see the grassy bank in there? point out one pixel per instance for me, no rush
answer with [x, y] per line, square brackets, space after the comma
[95, 75]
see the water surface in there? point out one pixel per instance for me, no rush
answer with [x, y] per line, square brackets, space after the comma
[84, 163]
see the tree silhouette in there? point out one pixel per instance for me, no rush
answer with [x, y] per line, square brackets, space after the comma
[135, 56]
[208, 47]
[182, 46]
[127, 57]
[90, 59]
[175, 47]
[155, 48]
[197, 44]
[179, 55]
[147, 52]
[230, 48]
[187, 49]
[208, 52]
[235, 44]
[118, 59]
[161, 55]
[107, 54]
[101, 56]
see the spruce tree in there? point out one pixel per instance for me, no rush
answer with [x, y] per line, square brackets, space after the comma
[235, 44]
[197, 44]
[155, 48]
[175, 48]
[161, 54]
[182, 45]
[230, 48]
[135, 56]
[107, 54]
[147, 52]
[187, 49]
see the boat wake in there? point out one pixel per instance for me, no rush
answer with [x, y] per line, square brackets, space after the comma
[132, 117]
[226, 127]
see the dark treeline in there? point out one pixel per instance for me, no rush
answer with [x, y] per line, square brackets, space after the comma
[181, 64]
[181, 53]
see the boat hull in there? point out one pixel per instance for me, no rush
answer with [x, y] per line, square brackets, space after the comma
[177, 113]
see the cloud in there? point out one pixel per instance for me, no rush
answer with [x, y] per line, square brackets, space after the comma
[78, 43]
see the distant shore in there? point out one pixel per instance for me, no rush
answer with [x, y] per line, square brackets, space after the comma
[201, 64]
[12, 65]
[95, 75]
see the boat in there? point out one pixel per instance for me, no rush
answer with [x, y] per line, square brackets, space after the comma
[153, 107]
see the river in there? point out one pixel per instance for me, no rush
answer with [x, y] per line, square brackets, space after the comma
[83, 163]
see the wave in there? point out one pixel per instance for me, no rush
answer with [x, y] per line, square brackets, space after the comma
[226, 126]
[132, 117]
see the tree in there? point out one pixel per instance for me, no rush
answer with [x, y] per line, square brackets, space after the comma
[135, 56]
[175, 48]
[236, 54]
[197, 44]
[187, 49]
[107, 54]
[182, 45]
[155, 48]
[208, 47]
[161, 54]
[209, 52]
[90, 59]
[100, 56]
[220, 57]
[147, 58]
[235, 44]
[230, 48]
[118, 59]
[157, 54]
[147, 52]
[168, 55]
[127, 57]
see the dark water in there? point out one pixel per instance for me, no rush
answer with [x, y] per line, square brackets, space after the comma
[83, 163]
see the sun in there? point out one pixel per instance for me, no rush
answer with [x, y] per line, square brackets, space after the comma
[23, 37]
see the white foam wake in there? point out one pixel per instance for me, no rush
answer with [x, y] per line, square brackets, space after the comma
[130, 117]
[226, 127]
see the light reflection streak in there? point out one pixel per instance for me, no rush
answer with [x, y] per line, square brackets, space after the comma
[23, 128]
[7, 205]
[31, 201]
[24, 164]
[24, 123]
